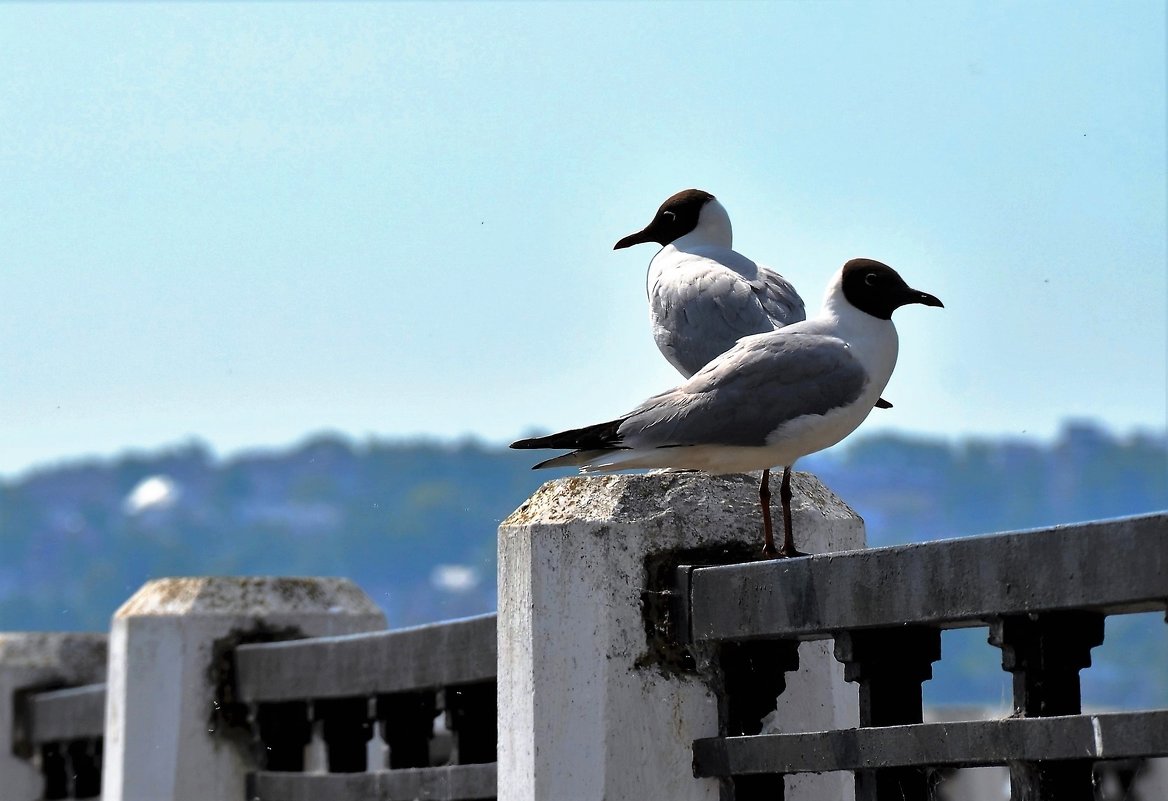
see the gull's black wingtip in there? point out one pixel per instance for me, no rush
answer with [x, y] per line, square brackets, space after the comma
[601, 435]
[532, 443]
[527, 444]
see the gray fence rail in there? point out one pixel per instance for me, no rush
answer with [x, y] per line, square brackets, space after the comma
[1113, 567]
[75, 713]
[961, 744]
[451, 783]
[425, 657]
[1044, 596]
[389, 687]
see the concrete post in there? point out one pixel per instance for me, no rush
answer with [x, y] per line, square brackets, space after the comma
[169, 659]
[583, 712]
[32, 660]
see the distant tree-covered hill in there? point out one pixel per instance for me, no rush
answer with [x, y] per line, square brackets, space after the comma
[414, 523]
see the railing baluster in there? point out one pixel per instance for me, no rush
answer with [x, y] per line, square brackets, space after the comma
[1045, 653]
[471, 715]
[753, 676]
[408, 725]
[55, 768]
[85, 762]
[346, 732]
[284, 730]
[759, 787]
[890, 665]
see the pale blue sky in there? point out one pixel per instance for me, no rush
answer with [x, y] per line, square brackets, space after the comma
[246, 223]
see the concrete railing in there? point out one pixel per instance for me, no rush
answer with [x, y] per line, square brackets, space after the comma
[1043, 596]
[49, 738]
[66, 729]
[641, 651]
[367, 704]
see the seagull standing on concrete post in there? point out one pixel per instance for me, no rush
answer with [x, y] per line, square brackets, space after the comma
[704, 296]
[768, 400]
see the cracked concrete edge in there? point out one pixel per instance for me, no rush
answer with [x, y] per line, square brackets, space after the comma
[258, 596]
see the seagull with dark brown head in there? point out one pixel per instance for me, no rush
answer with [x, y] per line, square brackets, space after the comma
[703, 295]
[767, 401]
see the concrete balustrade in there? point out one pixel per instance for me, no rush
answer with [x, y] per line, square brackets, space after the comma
[31, 661]
[168, 736]
[639, 641]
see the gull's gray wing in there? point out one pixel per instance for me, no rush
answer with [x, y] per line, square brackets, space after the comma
[782, 303]
[710, 300]
[743, 396]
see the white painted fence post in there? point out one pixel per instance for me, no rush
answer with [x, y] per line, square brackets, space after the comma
[578, 719]
[161, 741]
[30, 660]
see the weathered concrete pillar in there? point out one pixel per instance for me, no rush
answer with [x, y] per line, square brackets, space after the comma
[586, 711]
[30, 661]
[167, 738]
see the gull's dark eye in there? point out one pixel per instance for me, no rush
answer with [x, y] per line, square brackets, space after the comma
[671, 215]
[870, 279]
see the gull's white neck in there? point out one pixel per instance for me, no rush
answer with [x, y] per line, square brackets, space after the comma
[873, 340]
[713, 228]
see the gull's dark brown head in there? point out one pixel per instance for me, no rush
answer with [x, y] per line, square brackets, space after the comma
[878, 290]
[677, 217]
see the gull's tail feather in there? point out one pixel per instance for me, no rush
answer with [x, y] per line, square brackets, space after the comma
[587, 444]
[601, 436]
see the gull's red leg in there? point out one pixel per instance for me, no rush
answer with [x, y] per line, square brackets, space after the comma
[764, 500]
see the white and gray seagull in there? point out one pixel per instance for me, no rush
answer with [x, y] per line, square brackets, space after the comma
[768, 400]
[703, 295]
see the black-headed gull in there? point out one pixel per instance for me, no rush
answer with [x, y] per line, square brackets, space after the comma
[768, 400]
